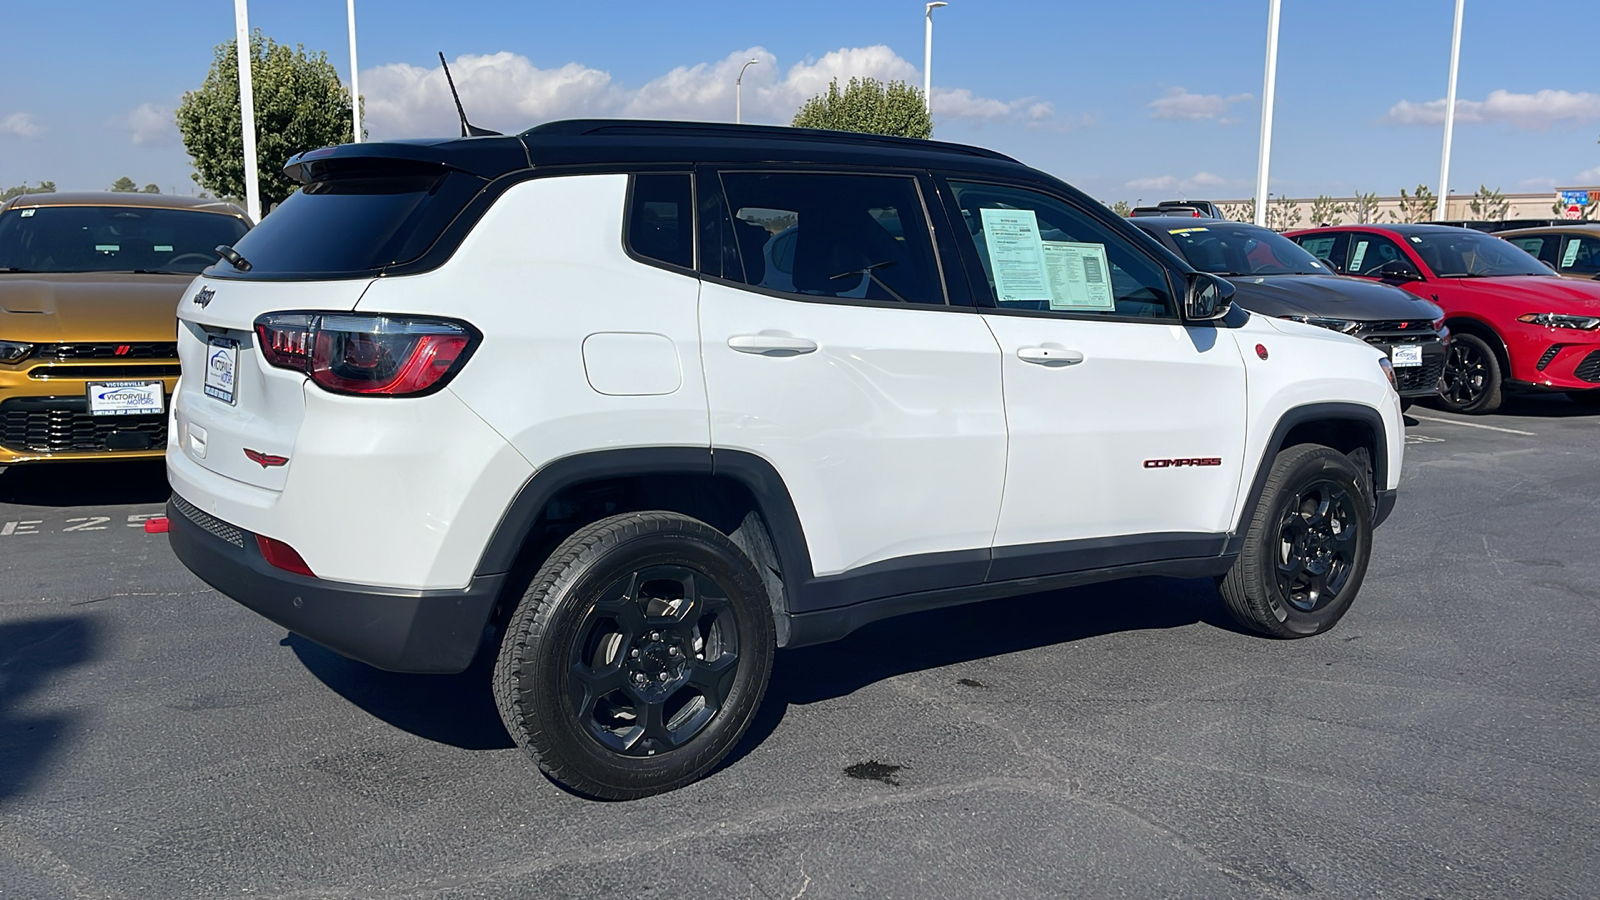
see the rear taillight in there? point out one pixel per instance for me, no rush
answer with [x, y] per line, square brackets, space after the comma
[348, 353]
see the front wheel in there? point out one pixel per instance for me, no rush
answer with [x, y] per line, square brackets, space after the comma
[1305, 550]
[1471, 379]
[637, 657]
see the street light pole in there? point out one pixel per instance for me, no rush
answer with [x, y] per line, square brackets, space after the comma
[927, 56]
[247, 108]
[738, 92]
[1450, 114]
[355, 79]
[1266, 112]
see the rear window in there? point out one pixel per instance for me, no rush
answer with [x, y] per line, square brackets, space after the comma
[112, 239]
[354, 226]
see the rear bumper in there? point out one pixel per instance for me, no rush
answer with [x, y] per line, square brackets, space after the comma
[401, 631]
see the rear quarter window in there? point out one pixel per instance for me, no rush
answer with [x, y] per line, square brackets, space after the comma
[354, 226]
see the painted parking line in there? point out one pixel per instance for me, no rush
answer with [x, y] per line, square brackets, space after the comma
[1472, 425]
[77, 524]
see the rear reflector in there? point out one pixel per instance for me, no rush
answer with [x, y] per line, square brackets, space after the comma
[282, 556]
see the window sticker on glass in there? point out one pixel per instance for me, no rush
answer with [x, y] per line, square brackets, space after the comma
[1185, 230]
[1078, 276]
[1570, 255]
[28, 213]
[1017, 254]
[1360, 254]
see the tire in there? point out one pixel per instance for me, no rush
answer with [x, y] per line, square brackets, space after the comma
[1590, 399]
[1471, 381]
[1306, 549]
[638, 656]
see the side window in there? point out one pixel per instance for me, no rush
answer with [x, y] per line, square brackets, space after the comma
[1581, 255]
[1368, 253]
[860, 237]
[1042, 253]
[1539, 246]
[1325, 246]
[661, 219]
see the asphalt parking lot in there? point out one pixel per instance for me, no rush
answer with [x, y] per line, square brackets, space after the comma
[157, 740]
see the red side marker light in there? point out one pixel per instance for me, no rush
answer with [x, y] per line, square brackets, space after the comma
[157, 525]
[282, 556]
[1261, 350]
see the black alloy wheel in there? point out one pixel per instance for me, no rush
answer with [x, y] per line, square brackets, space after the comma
[1306, 545]
[1316, 545]
[654, 660]
[1470, 381]
[637, 657]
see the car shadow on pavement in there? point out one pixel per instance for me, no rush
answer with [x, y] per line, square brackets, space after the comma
[1525, 406]
[959, 634]
[85, 484]
[457, 710]
[32, 653]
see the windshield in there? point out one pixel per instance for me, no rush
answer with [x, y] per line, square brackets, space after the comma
[1238, 249]
[112, 239]
[1473, 254]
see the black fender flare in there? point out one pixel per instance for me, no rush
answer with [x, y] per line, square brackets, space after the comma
[1301, 415]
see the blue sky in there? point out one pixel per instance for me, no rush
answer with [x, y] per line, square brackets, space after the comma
[1128, 100]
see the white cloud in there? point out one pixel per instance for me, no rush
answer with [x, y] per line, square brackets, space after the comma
[1589, 175]
[149, 123]
[21, 125]
[1535, 112]
[507, 92]
[1175, 183]
[1178, 103]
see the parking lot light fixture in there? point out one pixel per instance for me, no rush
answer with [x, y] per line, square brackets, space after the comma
[738, 92]
[355, 78]
[927, 56]
[1264, 163]
[1450, 113]
[247, 108]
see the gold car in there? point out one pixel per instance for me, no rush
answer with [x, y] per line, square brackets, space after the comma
[89, 288]
[1572, 250]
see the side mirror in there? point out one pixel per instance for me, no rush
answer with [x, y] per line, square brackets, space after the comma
[1550, 265]
[1329, 263]
[1206, 298]
[1399, 270]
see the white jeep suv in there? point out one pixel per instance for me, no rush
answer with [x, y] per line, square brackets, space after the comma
[560, 397]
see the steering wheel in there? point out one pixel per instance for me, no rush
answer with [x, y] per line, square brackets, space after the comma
[203, 257]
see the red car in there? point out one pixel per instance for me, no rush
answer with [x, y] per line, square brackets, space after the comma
[1514, 323]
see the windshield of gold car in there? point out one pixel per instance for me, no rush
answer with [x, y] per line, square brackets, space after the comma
[112, 239]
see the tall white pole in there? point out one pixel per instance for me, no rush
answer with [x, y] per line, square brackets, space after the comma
[247, 109]
[1266, 112]
[927, 57]
[738, 92]
[1450, 114]
[355, 79]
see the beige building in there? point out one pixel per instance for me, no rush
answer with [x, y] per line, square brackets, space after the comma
[1296, 212]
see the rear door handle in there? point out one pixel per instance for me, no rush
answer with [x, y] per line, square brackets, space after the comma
[771, 344]
[1049, 356]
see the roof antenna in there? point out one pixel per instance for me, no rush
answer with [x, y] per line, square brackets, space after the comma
[467, 128]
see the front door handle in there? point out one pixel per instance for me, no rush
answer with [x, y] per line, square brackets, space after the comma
[1049, 356]
[771, 344]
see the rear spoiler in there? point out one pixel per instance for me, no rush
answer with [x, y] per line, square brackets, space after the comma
[485, 157]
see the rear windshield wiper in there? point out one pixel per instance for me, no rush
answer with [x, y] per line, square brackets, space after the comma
[227, 252]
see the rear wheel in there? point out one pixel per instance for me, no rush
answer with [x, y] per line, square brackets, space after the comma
[1305, 551]
[637, 657]
[1471, 380]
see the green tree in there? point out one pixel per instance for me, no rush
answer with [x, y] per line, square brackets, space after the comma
[1121, 208]
[1327, 211]
[1418, 207]
[44, 187]
[300, 105]
[1365, 209]
[1240, 212]
[124, 185]
[1489, 205]
[869, 105]
[150, 189]
[1283, 214]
